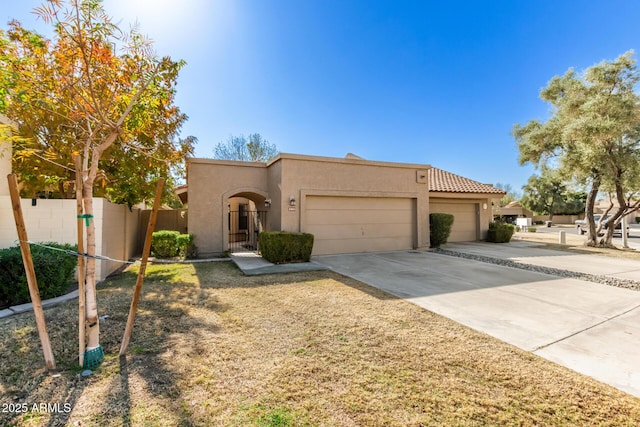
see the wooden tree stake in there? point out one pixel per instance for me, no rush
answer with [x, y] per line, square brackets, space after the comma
[81, 276]
[143, 267]
[30, 272]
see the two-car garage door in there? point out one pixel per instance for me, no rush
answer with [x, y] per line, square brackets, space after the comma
[360, 224]
[369, 224]
[465, 223]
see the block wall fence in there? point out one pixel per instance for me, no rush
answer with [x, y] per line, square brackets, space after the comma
[54, 220]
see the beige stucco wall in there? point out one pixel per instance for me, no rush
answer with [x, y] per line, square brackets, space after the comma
[566, 219]
[482, 200]
[274, 175]
[304, 176]
[212, 182]
[116, 234]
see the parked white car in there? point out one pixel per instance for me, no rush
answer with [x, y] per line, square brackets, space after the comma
[582, 227]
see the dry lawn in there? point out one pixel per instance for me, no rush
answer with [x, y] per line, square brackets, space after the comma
[212, 347]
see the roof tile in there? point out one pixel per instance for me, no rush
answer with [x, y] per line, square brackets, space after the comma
[447, 182]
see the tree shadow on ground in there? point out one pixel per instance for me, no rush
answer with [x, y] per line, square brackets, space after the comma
[40, 395]
[163, 311]
[176, 322]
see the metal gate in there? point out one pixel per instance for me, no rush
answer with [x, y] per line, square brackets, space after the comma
[244, 226]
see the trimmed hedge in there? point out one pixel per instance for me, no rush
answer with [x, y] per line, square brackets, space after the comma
[499, 232]
[283, 246]
[186, 248]
[171, 244]
[54, 272]
[440, 228]
[163, 243]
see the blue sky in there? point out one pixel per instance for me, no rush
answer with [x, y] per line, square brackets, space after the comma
[440, 83]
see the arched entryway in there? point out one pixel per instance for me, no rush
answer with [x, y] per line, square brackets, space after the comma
[246, 218]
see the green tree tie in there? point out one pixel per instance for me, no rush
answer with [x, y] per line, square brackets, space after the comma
[86, 217]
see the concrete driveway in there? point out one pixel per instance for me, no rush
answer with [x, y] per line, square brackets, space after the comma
[591, 328]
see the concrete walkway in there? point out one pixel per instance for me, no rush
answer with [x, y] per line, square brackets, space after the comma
[252, 264]
[591, 328]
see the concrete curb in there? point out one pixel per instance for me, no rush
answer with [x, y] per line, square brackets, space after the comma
[23, 308]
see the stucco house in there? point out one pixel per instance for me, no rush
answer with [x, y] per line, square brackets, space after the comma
[350, 204]
[511, 211]
[468, 200]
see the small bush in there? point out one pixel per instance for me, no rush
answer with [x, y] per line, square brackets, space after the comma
[164, 243]
[440, 228]
[499, 232]
[532, 229]
[186, 248]
[282, 246]
[171, 244]
[539, 222]
[54, 272]
[638, 220]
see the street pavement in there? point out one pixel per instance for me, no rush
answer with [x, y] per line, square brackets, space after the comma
[633, 241]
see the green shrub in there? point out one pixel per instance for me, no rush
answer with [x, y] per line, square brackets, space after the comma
[171, 244]
[440, 228]
[539, 222]
[499, 232]
[54, 272]
[532, 229]
[186, 248]
[638, 220]
[282, 246]
[164, 243]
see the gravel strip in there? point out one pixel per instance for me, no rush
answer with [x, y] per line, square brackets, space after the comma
[596, 278]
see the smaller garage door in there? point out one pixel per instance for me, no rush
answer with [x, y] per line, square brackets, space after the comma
[465, 223]
[359, 224]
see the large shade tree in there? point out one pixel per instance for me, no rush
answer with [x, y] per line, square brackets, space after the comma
[549, 194]
[95, 92]
[592, 136]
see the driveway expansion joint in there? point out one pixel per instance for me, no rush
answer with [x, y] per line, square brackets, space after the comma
[585, 329]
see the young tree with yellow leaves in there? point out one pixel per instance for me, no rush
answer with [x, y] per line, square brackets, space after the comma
[99, 93]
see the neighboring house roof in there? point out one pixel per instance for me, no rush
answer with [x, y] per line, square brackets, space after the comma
[182, 192]
[514, 204]
[441, 181]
